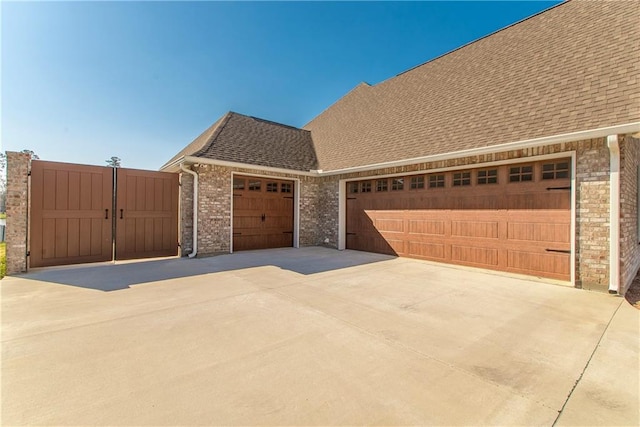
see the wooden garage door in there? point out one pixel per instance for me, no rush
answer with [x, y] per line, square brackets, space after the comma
[71, 218]
[513, 218]
[262, 213]
[146, 214]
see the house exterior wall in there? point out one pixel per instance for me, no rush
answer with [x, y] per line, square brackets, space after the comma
[215, 208]
[319, 204]
[629, 237]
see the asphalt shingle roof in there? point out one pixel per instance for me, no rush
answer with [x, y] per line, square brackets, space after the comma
[573, 67]
[244, 139]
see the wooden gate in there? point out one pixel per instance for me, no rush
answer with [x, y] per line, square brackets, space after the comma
[146, 214]
[73, 219]
[71, 207]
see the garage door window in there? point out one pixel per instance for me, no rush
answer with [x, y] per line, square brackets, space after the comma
[436, 181]
[555, 170]
[365, 187]
[521, 173]
[255, 185]
[272, 187]
[353, 187]
[381, 185]
[488, 177]
[285, 187]
[461, 179]
[417, 182]
[397, 184]
[238, 184]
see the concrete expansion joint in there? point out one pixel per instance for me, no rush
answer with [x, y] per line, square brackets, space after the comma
[606, 328]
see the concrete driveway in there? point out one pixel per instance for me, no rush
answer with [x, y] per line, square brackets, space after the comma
[311, 337]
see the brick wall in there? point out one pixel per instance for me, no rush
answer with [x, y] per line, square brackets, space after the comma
[319, 201]
[592, 215]
[17, 210]
[629, 247]
[186, 213]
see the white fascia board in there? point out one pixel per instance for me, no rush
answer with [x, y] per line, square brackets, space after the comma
[236, 165]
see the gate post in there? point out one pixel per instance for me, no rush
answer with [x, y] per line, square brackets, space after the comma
[17, 211]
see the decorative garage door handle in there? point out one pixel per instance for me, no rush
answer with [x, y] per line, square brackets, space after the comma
[106, 214]
[562, 251]
[264, 217]
[121, 213]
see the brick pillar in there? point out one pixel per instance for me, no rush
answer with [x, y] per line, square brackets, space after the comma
[17, 211]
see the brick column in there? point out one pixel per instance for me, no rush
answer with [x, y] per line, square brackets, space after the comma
[17, 211]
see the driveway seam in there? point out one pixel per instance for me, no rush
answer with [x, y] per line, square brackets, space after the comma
[587, 364]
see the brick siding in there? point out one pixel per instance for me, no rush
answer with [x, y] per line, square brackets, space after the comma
[17, 210]
[629, 241]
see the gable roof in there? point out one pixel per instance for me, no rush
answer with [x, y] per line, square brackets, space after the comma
[245, 139]
[573, 67]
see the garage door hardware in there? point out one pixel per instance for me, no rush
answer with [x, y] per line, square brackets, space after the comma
[287, 232]
[560, 251]
[558, 188]
[263, 217]
[106, 214]
[121, 211]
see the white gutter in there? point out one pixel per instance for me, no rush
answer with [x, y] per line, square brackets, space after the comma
[614, 214]
[194, 251]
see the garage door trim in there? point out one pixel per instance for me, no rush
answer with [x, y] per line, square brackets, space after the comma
[342, 208]
[296, 204]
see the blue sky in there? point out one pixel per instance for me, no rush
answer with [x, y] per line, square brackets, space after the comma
[84, 81]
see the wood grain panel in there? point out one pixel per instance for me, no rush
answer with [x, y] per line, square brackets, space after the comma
[519, 227]
[68, 207]
[146, 214]
[262, 219]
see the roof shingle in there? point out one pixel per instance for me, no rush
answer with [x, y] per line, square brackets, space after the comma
[244, 139]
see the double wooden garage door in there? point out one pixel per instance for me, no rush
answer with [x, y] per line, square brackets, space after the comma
[262, 213]
[514, 218]
[78, 215]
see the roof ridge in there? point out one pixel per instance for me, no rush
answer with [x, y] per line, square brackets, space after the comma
[215, 133]
[563, 2]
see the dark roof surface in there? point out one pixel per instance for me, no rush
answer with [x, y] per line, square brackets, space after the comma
[244, 139]
[573, 67]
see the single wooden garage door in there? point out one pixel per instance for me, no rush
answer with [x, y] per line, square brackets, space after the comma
[514, 218]
[262, 213]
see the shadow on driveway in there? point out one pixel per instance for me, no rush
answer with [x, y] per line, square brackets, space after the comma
[113, 277]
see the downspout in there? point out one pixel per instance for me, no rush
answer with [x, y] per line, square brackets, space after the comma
[194, 251]
[614, 214]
